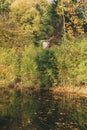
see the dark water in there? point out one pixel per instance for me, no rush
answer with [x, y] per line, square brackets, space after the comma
[42, 111]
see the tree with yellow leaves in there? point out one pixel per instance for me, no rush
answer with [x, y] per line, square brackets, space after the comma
[74, 18]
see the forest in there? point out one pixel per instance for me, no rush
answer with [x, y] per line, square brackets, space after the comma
[24, 25]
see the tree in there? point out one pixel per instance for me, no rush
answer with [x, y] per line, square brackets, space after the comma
[4, 6]
[72, 15]
[4, 12]
[56, 21]
[33, 18]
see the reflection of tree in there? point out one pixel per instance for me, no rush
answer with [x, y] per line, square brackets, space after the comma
[12, 117]
[19, 111]
[42, 111]
[47, 112]
[72, 112]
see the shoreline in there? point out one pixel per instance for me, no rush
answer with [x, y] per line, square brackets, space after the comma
[82, 90]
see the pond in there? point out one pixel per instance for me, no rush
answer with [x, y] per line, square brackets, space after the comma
[42, 110]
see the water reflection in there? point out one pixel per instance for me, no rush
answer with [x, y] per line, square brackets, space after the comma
[42, 111]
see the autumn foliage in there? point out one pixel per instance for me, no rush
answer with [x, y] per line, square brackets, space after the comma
[24, 24]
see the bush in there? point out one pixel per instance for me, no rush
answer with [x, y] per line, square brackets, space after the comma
[82, 67]
[47, 67]
[29, 71]
[72, 62]
[67, 55]
[8, 65]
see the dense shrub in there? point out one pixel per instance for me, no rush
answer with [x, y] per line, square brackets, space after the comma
[82, 66]
[65, 64]
[47, 67]
[8, 65]
[72, 62]
[29, 71]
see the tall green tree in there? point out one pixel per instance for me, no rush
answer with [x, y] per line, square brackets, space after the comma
[56, 19]
[4, 6]
[33, 18]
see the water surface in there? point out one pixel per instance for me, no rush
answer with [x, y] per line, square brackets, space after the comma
[42, 110]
